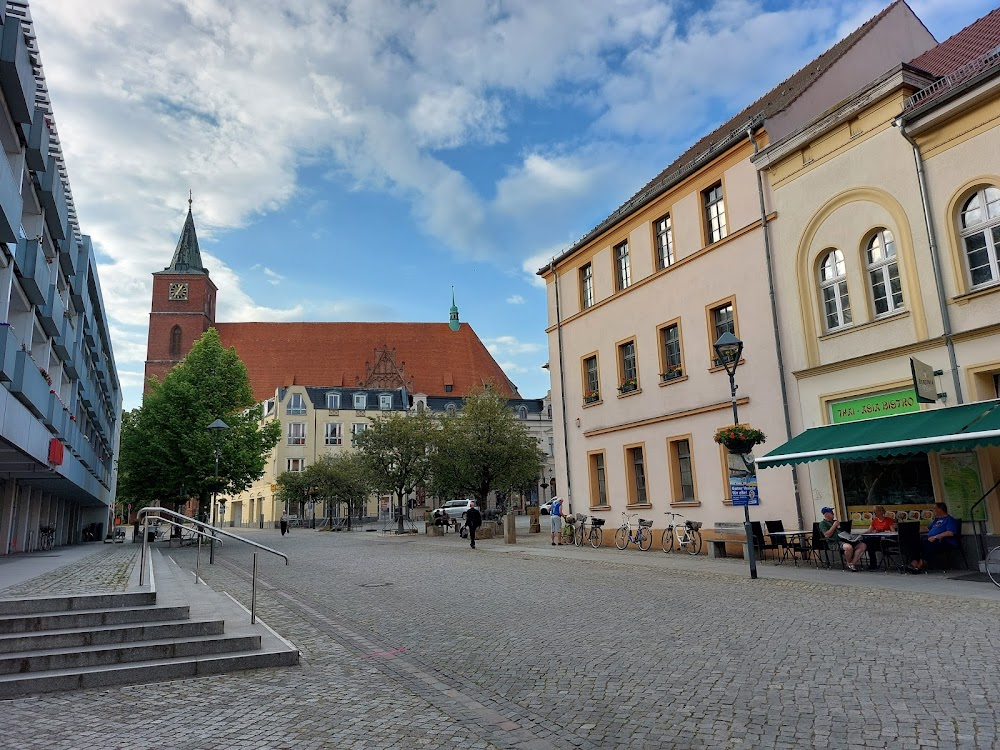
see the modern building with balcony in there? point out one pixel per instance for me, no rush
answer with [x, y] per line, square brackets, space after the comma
[60, 399]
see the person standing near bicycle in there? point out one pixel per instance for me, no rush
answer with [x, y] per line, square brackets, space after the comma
[555, 520]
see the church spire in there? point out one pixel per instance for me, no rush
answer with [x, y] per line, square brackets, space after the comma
[453, 322]
[187, 256]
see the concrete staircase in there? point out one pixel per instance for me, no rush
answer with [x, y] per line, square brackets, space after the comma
[174, 628]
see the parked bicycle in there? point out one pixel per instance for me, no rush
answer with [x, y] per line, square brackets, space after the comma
[686, 533]
[46, 536]
[578, 528]
[993, 565]
[643, 537]
[596, 534]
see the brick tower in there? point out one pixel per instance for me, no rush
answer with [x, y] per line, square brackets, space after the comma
[183, 305]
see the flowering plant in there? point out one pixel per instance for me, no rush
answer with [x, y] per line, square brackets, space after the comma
[739, 436]
[591, 395]
[628, 384]
[673, 371]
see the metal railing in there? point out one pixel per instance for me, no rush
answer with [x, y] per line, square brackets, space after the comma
[146, 513]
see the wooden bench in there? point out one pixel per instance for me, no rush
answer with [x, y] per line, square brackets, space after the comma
[733, 532]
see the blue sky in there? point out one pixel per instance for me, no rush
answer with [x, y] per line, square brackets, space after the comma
[355, 159]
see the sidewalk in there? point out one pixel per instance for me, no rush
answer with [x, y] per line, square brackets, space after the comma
[80, 568]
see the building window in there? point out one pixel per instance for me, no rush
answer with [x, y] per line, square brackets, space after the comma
[636, 475]
[334, 433]
[681, 470]
[715, 214]
[448, 388]
[883, 273]
[670, 352]
[628, 370]
[587, 286]
[981, 236]
[450, 409]
[296, 404]
[333, 401]
[522, 412]
[296, 433]
[175, 341]
[721, 319]
[591, 383]
[357, 429]
[598, 481]
[360, 401]
[385, 401]
[833, 288]
[296, 464]
[623, 270]
[664, 243]
[421, 407]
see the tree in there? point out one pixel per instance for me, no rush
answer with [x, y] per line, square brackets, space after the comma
[341, 478]
[396, 451]
[166, 446]
[484, 448]
[293, 489]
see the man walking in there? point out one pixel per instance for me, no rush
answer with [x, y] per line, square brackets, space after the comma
[473, 520]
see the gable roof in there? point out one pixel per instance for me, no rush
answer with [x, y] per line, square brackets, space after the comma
[343, 355]
[974, 41]
[774, 101]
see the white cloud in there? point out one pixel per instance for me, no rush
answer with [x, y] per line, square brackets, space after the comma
[506, 346]
[515, 299]
[273, 277]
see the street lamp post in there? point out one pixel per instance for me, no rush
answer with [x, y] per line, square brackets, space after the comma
[728, 350]
[215, 430]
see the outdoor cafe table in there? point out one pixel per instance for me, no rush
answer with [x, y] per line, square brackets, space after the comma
[788, 538]
[880, 537]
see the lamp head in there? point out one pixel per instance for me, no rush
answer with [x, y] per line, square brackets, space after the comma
[216, 428]
[728, 349]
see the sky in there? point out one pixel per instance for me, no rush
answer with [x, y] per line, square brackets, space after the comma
[355, 160]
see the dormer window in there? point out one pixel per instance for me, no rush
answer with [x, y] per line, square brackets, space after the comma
[448, 388]
[360, 400]
[522, 412]
[333, 401]
[296, 404]
[385, 401]
[450, 408]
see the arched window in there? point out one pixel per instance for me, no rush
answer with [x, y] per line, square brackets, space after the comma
[522, 412]
[980, 222]
[883, 273]
[175, 341]
[833, 287]
[450, 408]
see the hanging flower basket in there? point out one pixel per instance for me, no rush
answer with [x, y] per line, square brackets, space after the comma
[739, 438]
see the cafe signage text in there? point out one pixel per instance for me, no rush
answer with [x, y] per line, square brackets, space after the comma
[869, 407]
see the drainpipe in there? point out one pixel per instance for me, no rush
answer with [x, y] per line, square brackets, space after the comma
[935, 260]
[562, 381]
[774, 323]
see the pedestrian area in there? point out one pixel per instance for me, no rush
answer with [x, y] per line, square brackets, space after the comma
[411, 642]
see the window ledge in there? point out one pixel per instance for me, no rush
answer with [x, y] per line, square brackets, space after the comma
[588, 404]
[599, 507]
[964, 299]
[681, 379]
[686, 504]
[862, 326]
[630, 393]
[643, 506]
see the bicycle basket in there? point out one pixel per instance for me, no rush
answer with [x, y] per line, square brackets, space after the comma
[694, 524]
[598, 522]
[644, 522]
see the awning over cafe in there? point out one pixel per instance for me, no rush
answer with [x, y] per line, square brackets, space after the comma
[949, 429]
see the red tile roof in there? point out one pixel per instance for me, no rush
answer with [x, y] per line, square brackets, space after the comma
[969, 44]
[322, 354]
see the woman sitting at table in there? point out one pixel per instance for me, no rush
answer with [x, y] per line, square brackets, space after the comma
[853, 551]
[881, 524]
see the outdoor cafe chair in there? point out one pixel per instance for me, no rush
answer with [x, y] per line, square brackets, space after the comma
[761, 545]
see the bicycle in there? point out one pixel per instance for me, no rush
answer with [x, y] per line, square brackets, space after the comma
[46, 536]
[596, 535]
[577, 524]
[643, 537]
[687, 534]
[993, 565]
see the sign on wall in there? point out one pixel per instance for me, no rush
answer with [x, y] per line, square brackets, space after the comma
[743, 480]
[923, 381]
[881, 405]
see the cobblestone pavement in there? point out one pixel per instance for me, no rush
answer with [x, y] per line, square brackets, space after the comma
[415, 642]
[107, 570]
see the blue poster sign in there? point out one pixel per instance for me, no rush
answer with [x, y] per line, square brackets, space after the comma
[743, 490]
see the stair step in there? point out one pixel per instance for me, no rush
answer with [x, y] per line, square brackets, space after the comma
[33, 605]
[90, 618]
[104, 635]
[21, 685]
[91, 656]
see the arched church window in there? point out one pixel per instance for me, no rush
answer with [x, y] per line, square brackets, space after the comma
[175, 341]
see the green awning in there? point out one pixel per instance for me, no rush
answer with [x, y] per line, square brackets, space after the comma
[948, 429]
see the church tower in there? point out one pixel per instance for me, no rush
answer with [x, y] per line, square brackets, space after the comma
[453, 321]
[183, 305]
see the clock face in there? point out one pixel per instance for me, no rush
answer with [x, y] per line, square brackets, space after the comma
[178, 291]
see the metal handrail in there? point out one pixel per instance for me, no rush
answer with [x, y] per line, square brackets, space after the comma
[179, 525]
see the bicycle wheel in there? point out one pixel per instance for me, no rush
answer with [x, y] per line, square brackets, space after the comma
[621, 538]
[578, 536]
[667, 540]
[694, 542]
[596, 536]
[46, 542]
[993, 565]
[644, 539]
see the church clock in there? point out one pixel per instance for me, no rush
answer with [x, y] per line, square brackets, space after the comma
[178, 291]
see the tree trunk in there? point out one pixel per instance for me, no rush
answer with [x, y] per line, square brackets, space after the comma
[399, 517]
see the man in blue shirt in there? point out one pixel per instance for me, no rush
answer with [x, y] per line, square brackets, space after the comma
[941, 534]
[555, 520]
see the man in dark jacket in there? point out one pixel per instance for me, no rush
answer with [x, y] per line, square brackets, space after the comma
[473, 520]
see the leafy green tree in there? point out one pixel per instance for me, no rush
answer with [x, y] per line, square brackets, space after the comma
[292, 489]
[397, 451]
[484, 448]
[341, 478]
[165, 445]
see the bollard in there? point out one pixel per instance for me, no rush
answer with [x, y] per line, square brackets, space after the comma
[253, 593]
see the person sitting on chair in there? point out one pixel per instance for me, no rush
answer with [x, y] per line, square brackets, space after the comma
[941, 535]
[853, 551]
[881, 523]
